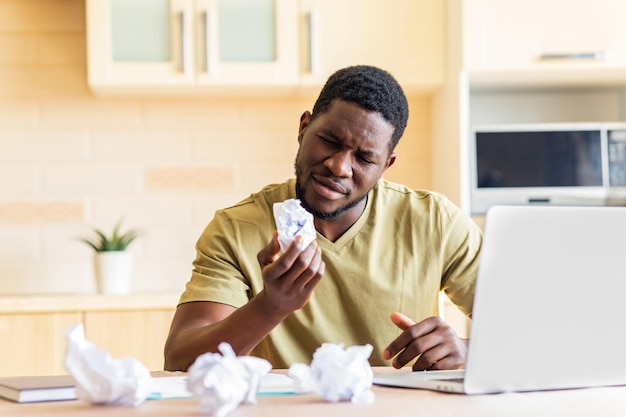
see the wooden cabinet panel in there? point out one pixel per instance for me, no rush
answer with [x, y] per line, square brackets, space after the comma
[513, 34]
[405, 37]
[137, 334]
[34, 344]
[32, 329]
[534, 43]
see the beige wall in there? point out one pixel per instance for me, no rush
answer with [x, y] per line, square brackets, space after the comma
[69, 159]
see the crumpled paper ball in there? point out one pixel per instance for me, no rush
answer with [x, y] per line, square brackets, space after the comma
[293, 220]
[337, 374]
[101, 379]
[221, 382]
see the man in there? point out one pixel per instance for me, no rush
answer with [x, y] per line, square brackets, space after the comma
[383, 251]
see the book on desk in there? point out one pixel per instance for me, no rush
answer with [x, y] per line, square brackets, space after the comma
[28, 389]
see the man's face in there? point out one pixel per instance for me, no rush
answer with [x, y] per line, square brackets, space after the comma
[342, 154]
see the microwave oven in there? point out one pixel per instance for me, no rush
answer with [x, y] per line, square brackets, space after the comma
[552, 164]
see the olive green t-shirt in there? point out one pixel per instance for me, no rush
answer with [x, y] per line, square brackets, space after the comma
[406, 247]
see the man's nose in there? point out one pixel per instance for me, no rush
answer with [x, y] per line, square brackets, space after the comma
[340, 164]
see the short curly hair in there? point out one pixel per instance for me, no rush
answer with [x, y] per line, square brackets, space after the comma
[371, 88]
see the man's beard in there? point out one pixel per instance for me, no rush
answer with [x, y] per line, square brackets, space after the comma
[321, 215]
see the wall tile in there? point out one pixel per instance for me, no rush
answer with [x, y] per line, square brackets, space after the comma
[243, 145]
[275, 113]
[18, 244]
[144, 212]
[43, 146]
[61, 49]
[40, 81]
[18, 179]
[170, 244]
[163, 276]
[101, 114]
[204, 209]
[90, 179]
[256, 175]
[46, 277]
[41, 211]
[61, 243]
[198, 179]
[191, 113]
[18, 48]
[141, 147]
[42, 15]
[16, 113]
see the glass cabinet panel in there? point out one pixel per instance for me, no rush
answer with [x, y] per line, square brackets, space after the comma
[141, 30]
[247, 30]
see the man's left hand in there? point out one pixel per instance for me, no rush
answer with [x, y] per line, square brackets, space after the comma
[432, 341]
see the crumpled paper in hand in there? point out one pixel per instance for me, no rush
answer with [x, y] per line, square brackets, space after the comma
[337, 374]
[221, 382]
[101, 379]
[293, 220]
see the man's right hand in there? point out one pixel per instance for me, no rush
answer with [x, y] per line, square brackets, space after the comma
[289, 279]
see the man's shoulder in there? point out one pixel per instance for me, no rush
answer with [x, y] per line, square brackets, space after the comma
[401, 200]
[259, 204]
[403, 194]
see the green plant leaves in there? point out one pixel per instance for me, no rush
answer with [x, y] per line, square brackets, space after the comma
[117, 241]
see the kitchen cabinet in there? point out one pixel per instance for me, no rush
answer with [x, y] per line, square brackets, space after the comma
[187, 47]
[33, 343]
[164, 46]
[544, 43]
[137, 334]
[406, 37]
[32, 328]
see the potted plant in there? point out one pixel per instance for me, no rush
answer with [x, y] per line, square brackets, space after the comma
[113, 263]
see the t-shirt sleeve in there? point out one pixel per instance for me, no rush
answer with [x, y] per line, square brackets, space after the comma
[461, 245]
[216, 274]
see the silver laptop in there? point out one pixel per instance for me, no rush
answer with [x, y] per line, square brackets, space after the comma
[550, 304]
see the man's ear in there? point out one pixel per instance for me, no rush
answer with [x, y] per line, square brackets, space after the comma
[304, 122]
[390, 160]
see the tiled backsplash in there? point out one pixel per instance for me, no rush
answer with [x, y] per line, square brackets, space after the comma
[69, 160]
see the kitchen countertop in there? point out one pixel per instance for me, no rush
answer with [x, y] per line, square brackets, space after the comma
[42, 303]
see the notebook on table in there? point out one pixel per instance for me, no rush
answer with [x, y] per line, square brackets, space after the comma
[549, 307]
[27, 389]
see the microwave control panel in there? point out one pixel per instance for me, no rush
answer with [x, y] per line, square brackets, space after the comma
[617, 157]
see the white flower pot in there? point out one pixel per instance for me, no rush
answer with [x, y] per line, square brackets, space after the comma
[114, 272]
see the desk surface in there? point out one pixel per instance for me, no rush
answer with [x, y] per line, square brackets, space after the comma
[597, 402]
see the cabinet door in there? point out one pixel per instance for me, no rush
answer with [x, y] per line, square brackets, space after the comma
[246, 42]
[155, 46]
[504, 34]
[137, 334]
[34, 344]
[140, 42]
[405, 37]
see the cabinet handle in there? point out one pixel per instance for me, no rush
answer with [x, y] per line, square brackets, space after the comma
[184, 43]
[587, 56]
[312, 23]
[207, 47]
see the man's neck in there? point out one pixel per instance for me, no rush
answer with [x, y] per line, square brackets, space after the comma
[334, 228]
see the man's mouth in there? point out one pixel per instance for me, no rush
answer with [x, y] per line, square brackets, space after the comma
[328, 188]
